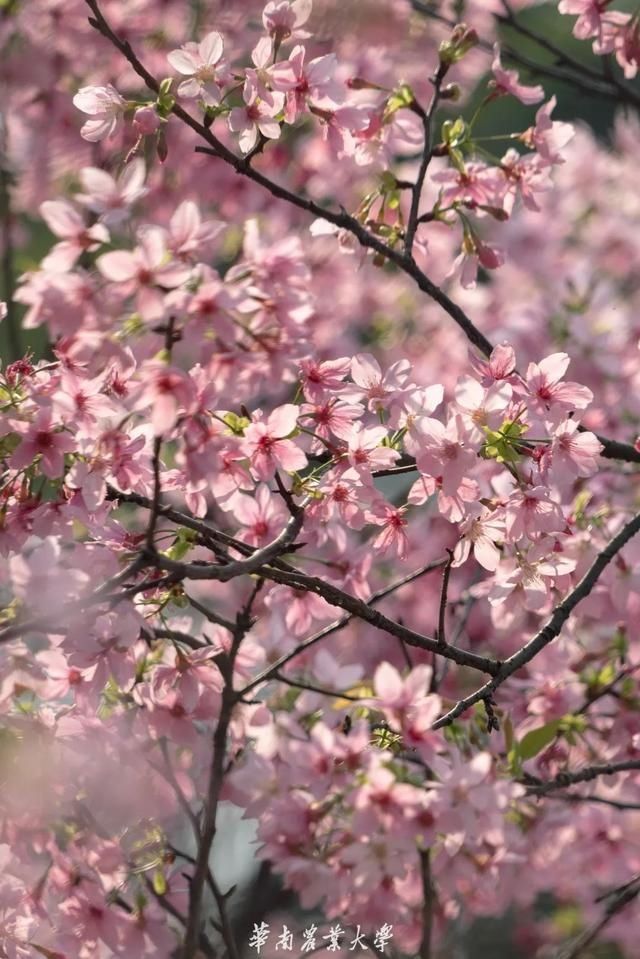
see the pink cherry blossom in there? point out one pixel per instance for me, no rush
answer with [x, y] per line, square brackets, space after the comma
[480, 531]
[549, 391]
[393, 537]
[76, 237]
[571, 452]
[312, 84]
[262, 515]
[531, 512]
[507, 81]
[46, 438]
[105, 106]
[267, 447]
[188, 233]
[594, 20]
[365, 452]
[381, 390]
[318, 379]
[143, 269]
[199, 62]
[111, 198]
[282, 17]
[549, 137]
[257, 117]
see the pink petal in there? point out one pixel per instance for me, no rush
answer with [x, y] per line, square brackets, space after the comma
[283, 420]
[183, 61]
[118, 266]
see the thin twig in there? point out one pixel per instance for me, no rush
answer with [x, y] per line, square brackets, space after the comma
[581, 79]
[334, 627]
[427, 118]
[442, 616]
[311, 687]
[552, 629]
[211, 615]
[620, 90]
[618, 901]
[575, 798]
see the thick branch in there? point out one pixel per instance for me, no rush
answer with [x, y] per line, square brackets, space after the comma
[586, 775]
[428, 904]
[241, 567]
[271, 671]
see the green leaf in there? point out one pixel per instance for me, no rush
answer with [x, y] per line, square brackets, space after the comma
[184, 541]
[454, 132]
[507, 727]
[537, 740]
[237, 424]
[503, 444]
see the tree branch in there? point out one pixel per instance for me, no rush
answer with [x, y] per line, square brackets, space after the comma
[586, 775]
[552, 629]
[271, 671]
[427, 118]
[428, 904]
[617, 901]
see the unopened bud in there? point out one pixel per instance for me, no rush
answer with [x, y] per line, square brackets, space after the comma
[451, 92]
[145, 121]
[462, 40]
[161, 146]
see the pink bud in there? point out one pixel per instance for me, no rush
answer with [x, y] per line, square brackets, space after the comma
[145, 121]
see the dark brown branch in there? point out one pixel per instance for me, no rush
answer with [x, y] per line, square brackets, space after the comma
[202, 873]
[586, 775]
[428, 904]
[552, 629]
[8, 266]
[311, 687]
[575, 798]
[241, 567]
[334, 627]
[620, 90]
[618, 900]
[157, 493]
[608, 690]
[427, 118]
[177, 636]
[211, 615]
[364, 611]
[442, 616]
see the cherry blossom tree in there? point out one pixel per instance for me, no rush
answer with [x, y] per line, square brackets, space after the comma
[321, 505]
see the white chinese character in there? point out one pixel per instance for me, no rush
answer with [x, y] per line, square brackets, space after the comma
[259, 936]
[334, 936]
[358, 941]
[309, 936]
[382, 937]
[285, 939]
